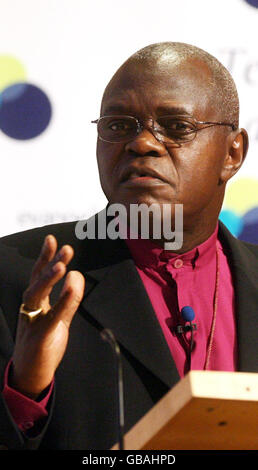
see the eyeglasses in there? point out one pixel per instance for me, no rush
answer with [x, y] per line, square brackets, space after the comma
[170, 130]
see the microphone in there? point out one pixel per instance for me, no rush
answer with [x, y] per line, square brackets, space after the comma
[107, 335]
[188, 316]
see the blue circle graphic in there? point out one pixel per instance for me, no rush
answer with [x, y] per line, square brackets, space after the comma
[249, 232]
[25, 111]
[254, 3]
[13, 92]
[251, 216]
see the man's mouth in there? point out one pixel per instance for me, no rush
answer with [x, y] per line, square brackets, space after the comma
[134, 176]
[141, 176]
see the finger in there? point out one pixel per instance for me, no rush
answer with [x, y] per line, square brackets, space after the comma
[70, 297]
[41, 285]
[37, 293]
[65, 254]
[47, 253]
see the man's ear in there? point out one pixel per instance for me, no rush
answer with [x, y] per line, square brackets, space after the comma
[238, 143]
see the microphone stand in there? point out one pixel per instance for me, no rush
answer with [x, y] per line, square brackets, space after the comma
[191, 328]
[108, 336]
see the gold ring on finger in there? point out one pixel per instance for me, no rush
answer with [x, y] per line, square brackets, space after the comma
[30, 314]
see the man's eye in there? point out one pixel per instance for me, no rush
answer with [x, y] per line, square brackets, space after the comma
[119, 126]
[179, 126]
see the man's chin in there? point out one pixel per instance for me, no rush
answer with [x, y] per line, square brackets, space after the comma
[127, 200]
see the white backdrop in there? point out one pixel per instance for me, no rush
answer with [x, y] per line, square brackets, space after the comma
[70, 49]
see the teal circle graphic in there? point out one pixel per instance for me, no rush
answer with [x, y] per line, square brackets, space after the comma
[232, 221]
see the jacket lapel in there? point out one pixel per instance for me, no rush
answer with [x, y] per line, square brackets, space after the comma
[116, 298]
[243, 263]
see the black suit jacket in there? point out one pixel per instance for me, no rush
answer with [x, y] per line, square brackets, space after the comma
[82, 411]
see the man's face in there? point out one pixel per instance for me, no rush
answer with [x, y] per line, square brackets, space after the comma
[144, 170]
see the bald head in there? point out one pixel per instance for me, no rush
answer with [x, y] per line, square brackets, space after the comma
[174, 57]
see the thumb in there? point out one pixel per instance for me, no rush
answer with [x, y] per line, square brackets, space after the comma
[70, 298]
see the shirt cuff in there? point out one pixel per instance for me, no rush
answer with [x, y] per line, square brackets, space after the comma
[25, 411]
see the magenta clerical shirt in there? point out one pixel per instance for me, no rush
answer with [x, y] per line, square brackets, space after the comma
[173, 281]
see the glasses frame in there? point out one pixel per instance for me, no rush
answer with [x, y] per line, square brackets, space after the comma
[154, 130]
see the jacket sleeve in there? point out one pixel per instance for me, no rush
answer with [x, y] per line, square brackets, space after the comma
[11, 437]
[25, 411]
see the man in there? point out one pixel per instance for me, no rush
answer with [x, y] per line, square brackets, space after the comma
[168, 134]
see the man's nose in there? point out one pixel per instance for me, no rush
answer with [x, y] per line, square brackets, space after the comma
[145, 143]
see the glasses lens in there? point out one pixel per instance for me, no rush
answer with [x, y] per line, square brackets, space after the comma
[177, 129]
[117, 128]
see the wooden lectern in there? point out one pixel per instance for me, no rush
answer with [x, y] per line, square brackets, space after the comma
[205, 410]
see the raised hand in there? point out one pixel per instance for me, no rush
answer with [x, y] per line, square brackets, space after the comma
[41, 341]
